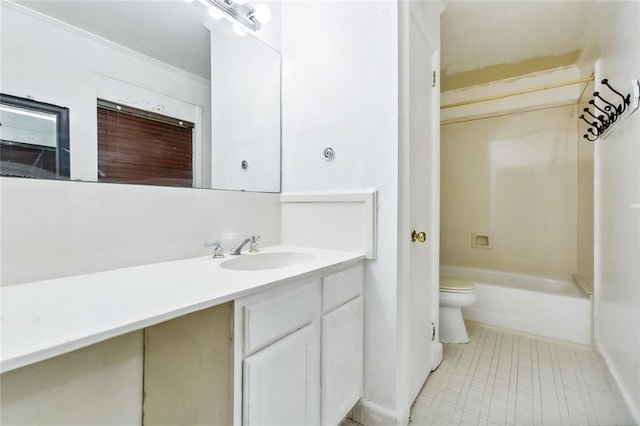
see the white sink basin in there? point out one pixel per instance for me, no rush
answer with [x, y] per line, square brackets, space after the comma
[262, 261]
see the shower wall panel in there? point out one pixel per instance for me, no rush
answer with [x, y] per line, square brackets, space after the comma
[514, 179]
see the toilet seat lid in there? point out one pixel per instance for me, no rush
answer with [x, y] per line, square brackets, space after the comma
[455, 285]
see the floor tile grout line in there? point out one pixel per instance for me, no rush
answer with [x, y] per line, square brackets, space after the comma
[557, 379]
[466, 387]
[577, 374]
[484, 389]
[514, 358]
[585, 396]
[468, 368]
[533, 370]
[540, 384]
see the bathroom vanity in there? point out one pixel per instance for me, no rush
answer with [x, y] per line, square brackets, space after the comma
[241, 344]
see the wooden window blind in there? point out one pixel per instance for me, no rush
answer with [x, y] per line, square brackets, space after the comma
[136, 146]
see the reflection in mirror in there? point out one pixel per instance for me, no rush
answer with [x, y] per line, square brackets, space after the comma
[152, 56]
[34, 139]
[136, 146]
[245, 112]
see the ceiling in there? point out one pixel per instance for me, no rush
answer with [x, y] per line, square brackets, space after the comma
[484, 41]
[171, 31]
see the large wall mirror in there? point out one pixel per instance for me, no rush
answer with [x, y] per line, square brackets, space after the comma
[141, 68]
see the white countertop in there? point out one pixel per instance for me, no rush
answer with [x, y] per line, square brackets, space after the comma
[44, 319]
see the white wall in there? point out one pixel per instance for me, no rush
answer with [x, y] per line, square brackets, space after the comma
[54, 228]
[55, 63]
[340, 89]
[616, 41]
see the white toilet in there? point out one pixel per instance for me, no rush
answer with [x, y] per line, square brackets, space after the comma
[454, 294]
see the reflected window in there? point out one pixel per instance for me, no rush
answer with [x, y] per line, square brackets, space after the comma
[136, 146]
[34, 139]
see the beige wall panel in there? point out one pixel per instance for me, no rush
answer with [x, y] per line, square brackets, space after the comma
[514, 179]
[97, 385]
[586, 151]
[188, 378]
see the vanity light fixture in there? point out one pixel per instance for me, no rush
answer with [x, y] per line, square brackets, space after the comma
[215, 14]
[239, 12]
[239, 30]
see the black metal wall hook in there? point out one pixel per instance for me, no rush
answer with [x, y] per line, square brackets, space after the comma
[626, 100]
[611, 112]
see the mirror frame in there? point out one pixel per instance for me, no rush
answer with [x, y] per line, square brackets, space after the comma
[62, 128]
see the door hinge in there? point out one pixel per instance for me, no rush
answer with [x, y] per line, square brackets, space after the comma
[433, 81]
[433, 331]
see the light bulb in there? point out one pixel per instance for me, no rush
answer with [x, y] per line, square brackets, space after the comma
[239, 30]
[215, 14]
[262, 14]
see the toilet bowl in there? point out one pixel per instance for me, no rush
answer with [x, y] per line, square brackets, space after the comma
[454, 294]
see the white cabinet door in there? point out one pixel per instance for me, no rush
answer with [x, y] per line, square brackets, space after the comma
[282, 381]
[341, 361]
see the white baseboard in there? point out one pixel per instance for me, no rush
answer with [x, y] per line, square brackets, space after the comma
[368, 413]
[632, 405]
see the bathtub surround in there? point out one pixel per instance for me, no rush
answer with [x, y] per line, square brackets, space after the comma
[586, 150]
[516, 171]
[512, 178]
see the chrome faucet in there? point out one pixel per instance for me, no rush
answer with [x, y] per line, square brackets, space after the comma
[253, 246]
[218, 251]
[254, 243]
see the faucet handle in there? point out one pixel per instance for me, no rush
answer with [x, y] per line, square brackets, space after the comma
[253, 244]
[218, 251]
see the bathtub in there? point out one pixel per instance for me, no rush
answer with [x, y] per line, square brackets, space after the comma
[542, 306]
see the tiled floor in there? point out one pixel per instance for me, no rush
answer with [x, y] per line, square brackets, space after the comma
[503, 378]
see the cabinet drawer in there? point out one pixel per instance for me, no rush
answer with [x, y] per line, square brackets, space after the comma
[341, 287]
[273, 317]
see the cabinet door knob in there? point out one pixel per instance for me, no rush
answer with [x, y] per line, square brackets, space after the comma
[420, 237]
